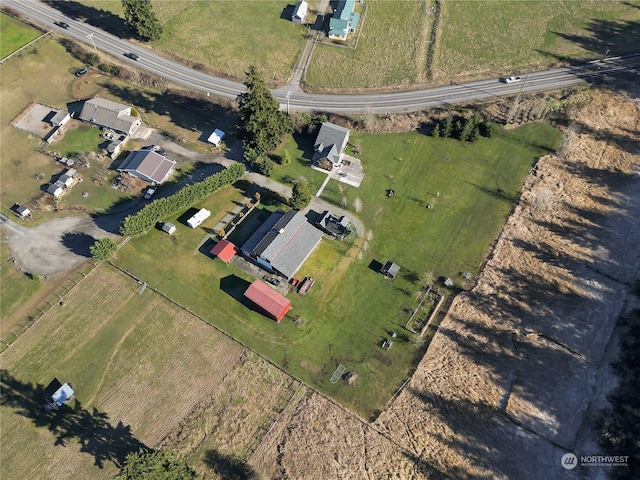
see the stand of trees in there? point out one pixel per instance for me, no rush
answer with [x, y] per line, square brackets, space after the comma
[139, 17]
[103, 248]
[155, 211]
[156, 465]
[466, 129]
[262, 122]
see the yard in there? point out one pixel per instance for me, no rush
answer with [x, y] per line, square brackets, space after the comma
[141, 368]
[15, 34]
[352, 308]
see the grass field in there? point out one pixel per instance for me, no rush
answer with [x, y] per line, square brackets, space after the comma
[225, 36]
[391, 50]
[497, 37]
[42, 73]
[340, 326]
[14, 34]
[140, 368]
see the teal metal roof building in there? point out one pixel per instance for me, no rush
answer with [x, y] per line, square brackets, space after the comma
[344, 20]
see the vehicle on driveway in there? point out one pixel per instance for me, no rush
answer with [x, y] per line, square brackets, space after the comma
[150, 192]
[511, 79]
[81, 72]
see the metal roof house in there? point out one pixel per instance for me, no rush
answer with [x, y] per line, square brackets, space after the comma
[300, 12]
[148, 165]
[107, 113]
[330, 143]
[282, 243]
[344, 20]
[269, 301]
[56, 188]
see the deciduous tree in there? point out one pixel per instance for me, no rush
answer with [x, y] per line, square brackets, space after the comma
[301, 194]
[156, 465]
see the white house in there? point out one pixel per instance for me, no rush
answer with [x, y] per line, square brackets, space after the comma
[300, 12]
[198, 218]
[216, 137]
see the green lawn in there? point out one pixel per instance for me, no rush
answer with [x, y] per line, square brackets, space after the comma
[14, 34]
[495, 37]
[352, 308]
[77, 141]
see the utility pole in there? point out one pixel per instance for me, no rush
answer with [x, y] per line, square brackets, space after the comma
[90, 37]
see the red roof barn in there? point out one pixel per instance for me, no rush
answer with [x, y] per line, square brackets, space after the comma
[270, 301]
[224, 250]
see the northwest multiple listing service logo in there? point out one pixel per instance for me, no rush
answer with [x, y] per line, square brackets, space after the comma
[569, 461]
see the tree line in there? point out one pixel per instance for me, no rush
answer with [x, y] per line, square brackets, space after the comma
[161, 208]
[464, 128]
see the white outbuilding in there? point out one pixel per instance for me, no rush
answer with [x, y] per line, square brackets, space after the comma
[198, 218]
[216, 137]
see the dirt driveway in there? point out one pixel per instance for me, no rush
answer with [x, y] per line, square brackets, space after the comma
[54, 247]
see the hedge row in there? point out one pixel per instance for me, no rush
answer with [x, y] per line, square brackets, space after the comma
[161, 208]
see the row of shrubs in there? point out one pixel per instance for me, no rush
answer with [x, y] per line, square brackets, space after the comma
[161, 208]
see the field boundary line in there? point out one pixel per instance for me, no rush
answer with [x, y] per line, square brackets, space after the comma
[270, 362]
[23, 47]
[43, 308]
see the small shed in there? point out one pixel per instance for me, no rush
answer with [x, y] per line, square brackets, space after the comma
[268, 300]
[216, 137]
[300, 12]
[170, 228]
[57, 394]
[60, 118]
[224, 250]
[22, 211]
[390, 270]
[198, 218]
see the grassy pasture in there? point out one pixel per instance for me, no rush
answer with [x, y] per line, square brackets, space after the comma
[14, 34]
[496, 37]
[42, 73]
[137, 359]
[391, 50]
[340, 325]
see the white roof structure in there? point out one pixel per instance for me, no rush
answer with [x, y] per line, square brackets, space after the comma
[148, 166]
[198, 218]
[216, 137]
[300, 12]
[62, 395]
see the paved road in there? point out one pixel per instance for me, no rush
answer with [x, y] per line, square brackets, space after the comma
[301, 101]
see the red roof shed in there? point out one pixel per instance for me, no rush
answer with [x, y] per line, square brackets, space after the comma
[224, 250]
[265, 297]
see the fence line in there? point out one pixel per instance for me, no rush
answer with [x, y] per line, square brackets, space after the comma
[23, 47]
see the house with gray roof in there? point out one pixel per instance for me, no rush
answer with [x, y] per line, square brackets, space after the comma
[330, 144]
[109, 114]
[337, 227]
[282, 243]
[344, 20]
[148, 165]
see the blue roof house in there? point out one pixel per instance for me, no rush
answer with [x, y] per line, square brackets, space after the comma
[344, 20]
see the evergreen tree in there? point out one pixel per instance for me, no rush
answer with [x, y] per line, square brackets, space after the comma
[448, 127]
[262, 122]
[140, 18]
[301, 194]
[436, 131]
[103, 248]
[158, 465]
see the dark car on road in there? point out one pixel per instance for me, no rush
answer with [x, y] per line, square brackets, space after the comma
[132, 56]
[62, 25]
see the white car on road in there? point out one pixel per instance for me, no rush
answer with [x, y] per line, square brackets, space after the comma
[511, 79]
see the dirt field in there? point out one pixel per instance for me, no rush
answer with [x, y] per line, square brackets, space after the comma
[508, 382]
